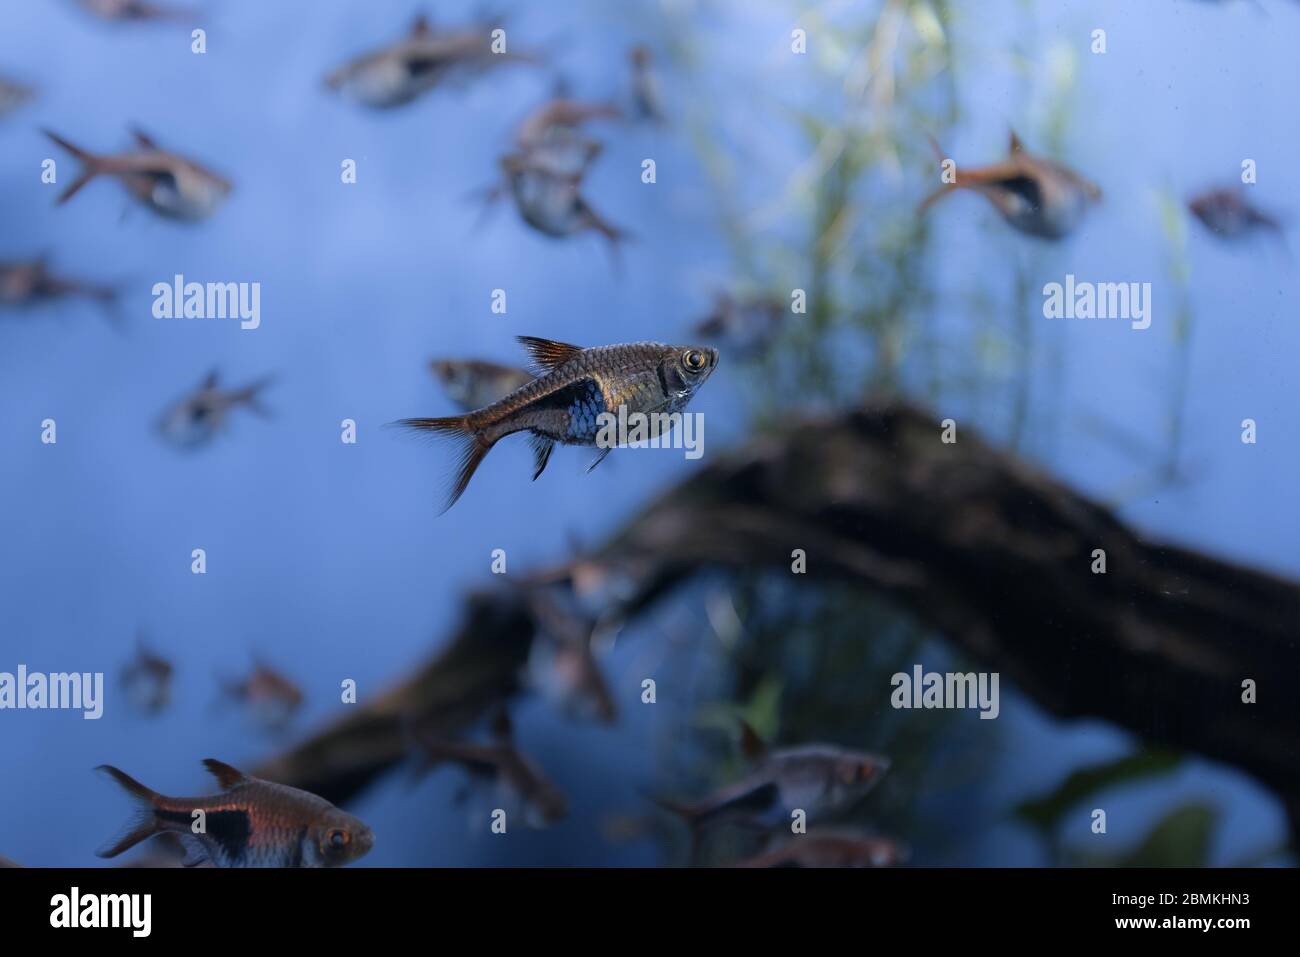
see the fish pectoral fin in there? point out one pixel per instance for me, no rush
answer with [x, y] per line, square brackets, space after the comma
[600, 457]
[542, 448]
[547, 353]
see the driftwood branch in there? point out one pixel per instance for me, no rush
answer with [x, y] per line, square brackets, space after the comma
[992, 553]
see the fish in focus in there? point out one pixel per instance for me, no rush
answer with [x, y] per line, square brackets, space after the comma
[146, 680]
[474, 383]
[271, 698]
[514, 776]
[136, 10]
[168, 184]
[251, 823]
[1035, 195]
[30, 283]
[746, 326]
[646, 100]
[574, 386]
[199, 417]
[820, 779]
[1229, 215]
[13, 95]
[422, 60]
[832, 849]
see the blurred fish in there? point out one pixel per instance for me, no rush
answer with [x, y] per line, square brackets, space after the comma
[560, 116]
[744, 326]
[172, 186]
[549, 198]
[251, 823]
[563, 665]
[271, 698]
[196, 419]
[832, 849]
[1229, 215]
[13, 95]
[31, 283]
[135, 10]
[146, 680]
[474, 383]
[819, 779]
[646, 99]
[502, 765]
[1037, 196]
[423, 59]
[6, 862]
[575, 386]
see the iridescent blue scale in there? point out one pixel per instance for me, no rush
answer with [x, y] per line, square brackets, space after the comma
[583, 412]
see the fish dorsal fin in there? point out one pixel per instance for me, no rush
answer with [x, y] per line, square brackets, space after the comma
[226, 776]
[143, 139]
[751, 745]
[501, 727]
[1014, 145]
[211, 379]
[421, 26]
[547, 353]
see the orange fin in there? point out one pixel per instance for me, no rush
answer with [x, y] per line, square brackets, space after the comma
[142, 825]
[226, 776]
[547, 353]
[474, 447]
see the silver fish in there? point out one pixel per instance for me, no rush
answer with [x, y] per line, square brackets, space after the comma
[251, 823]
[819, 779]
[168, 184]
[422, 60]
[200, 416]
[474, 383]
[565, 402]
[1035, 195]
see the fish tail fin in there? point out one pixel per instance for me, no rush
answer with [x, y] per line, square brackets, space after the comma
[91, 166]
[251, 396]
[474, 447]
[141, 825]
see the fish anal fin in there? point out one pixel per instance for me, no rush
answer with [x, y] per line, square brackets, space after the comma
[547, 353]
[226, 776]
[600, 457]
[542, 448]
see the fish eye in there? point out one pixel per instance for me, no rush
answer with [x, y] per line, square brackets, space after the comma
[338, 839]
[694, 360]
